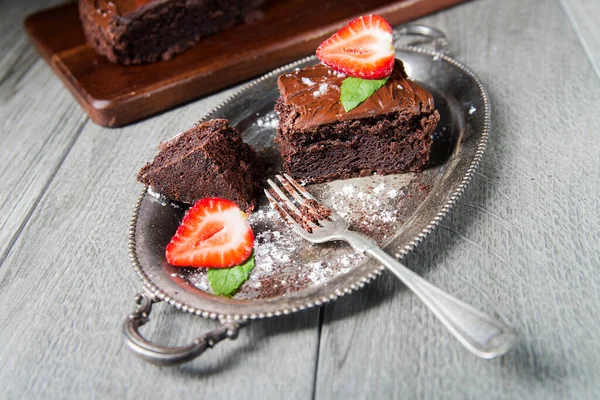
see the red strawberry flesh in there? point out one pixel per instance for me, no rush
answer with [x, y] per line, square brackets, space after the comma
[362, 49]
[214, 233]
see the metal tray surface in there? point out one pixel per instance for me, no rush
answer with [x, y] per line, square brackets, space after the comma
[398, 211]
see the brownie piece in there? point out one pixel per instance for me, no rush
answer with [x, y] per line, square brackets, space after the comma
[143, 31]
[390, 132]
[209, 160]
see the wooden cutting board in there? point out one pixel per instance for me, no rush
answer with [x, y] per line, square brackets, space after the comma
[115, 95]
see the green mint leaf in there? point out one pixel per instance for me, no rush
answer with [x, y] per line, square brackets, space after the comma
[356, 90]
[226, 281]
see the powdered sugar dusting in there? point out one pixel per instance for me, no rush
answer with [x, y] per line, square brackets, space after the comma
[200, 280]
[283, 256]
[348, 190]
[322, 90]
[372, 210]
[336, 73]
[161, 199]
[286, 263]
[307, 81]
[269, 120]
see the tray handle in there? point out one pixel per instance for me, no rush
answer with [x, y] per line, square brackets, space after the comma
[438, 38]
[168, 356]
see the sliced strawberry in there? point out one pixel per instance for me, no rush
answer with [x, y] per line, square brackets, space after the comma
[214, 233]
[362, 49]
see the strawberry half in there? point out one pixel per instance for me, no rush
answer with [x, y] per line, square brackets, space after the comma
[362, 49]
[214, 233]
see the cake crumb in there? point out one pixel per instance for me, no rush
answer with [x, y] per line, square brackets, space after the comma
[285, 263]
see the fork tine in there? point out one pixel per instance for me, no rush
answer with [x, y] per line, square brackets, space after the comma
[274, 203]
[307, 206]
[299, 187]
[283, 197]
[291, 190]
[335, 217]
[288, 203]
[286, 216]
[311, 206]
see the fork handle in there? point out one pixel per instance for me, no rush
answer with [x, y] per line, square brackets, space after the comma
[483, 335]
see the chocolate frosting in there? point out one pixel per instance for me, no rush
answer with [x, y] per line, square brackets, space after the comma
[120, 7]
[315, 93]
[104, 11]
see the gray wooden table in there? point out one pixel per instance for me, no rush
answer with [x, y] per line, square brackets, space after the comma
[524, 241]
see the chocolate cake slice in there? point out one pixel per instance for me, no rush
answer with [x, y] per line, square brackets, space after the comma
[143, 31]
[209, 160]
[390, 132]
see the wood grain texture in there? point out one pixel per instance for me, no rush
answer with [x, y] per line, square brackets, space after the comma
[115, 95]
[32, 148]
[70, 285]
[523, 241]
[584, 15]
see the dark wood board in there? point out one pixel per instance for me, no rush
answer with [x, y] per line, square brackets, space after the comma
[115, 95]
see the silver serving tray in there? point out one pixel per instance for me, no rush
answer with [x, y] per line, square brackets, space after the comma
[399, 211]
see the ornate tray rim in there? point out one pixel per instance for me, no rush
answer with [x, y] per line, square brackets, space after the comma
[317, 300]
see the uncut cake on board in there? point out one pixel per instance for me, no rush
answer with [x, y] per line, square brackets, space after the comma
[144, 31]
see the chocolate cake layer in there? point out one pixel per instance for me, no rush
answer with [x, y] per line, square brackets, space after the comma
[375, 147]
[209, 160]
[390, 132]
[142, 31]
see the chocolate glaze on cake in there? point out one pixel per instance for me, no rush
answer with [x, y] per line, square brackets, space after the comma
[318, 105]
[209, 160]
[142, 31]
[390, 132]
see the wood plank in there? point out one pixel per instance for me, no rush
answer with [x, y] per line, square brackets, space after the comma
[36, 130]
[523, 241]
[583, 15]
[67, 286]
[115, 95]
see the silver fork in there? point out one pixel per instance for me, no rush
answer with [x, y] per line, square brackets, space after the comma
[483, 335]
